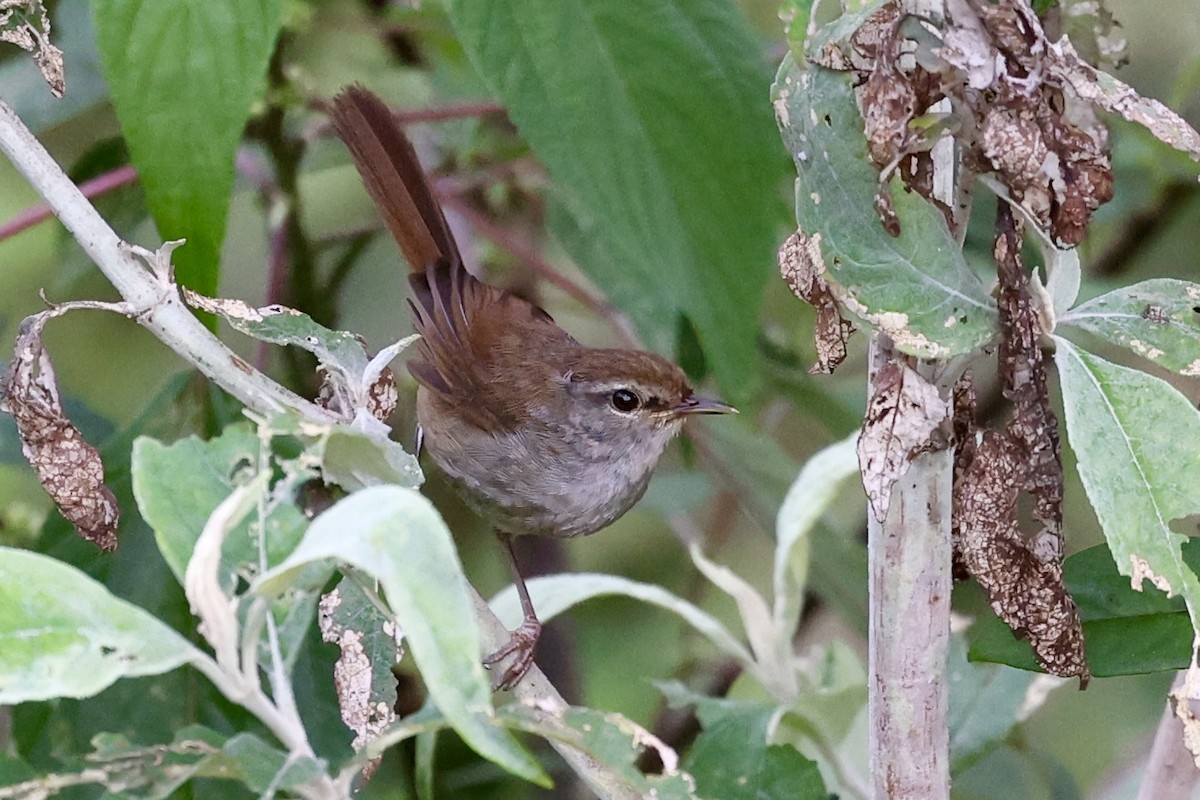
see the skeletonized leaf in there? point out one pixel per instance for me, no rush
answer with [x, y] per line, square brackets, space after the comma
[1157, 319]
[68, 467]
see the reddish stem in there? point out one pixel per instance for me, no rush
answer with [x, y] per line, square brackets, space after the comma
[121, 176]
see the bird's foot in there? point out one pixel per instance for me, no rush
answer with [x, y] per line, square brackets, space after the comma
[520, 647]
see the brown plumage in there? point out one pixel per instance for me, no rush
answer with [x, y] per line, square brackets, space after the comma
[540, 434]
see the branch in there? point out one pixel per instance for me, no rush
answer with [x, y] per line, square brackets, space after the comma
[144, 280]
[909, 568]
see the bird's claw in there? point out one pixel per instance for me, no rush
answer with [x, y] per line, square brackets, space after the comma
[520, 647]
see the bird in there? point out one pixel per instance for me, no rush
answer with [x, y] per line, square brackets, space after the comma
[539, 434]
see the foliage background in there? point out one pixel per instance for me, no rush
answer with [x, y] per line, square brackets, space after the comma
[117, 376]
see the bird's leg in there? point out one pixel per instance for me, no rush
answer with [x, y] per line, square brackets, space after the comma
[521, 643]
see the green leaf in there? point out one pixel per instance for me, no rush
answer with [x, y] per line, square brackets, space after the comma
[156, 772]
[985, 703]
[1158, 320]
[355, 460]
[554, 594]
[819, 483]
[732, 758]
[183, 75]
[65, 635]
[396, 536]
[649, 116]
[1135, 438]
[612, 740]
[917, 286]
[178, 486]
[1127, 631]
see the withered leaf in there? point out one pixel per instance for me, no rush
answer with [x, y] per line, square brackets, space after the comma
[26, 24]
[1024, 590]
[904, 417]
[68, 467]
[1021, 574]
[1050, 153]
[370, 645]
[803, 269]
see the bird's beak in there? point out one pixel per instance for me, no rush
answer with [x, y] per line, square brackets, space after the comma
[695, 404]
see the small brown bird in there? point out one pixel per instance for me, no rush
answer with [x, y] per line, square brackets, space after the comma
[540, 434]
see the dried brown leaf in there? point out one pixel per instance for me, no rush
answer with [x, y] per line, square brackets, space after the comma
[1048, 150]
[68, 467]
[1021, 574]
[803, 269]
[1024, 590]
[1033, 427]
[904, 418]
[26, 24]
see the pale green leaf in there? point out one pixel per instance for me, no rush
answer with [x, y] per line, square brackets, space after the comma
[62, 634]
[397, 537]
[177, 487]
[820, 481]
[1136, 440]
[917, 286]
[554, 594]
[1157, 319]
[986, 703]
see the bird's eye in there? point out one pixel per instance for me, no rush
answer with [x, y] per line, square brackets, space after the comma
[625, 401]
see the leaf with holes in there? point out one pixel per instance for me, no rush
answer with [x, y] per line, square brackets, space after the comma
[916, 286]
[1158, 320]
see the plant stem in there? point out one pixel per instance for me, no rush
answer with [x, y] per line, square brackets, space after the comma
[909, 564]
[1171, 773]
[909, 626]
[154, 297]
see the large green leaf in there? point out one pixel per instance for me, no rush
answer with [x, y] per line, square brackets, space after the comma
[1126, 631]
[397, 537]
[65, 635]
[650, 116]
[183, 75]
[1156, 319]
[1136, 439]
[915, 286]
[733, 757]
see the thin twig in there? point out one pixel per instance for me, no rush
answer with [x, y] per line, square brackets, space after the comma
[143, 280]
